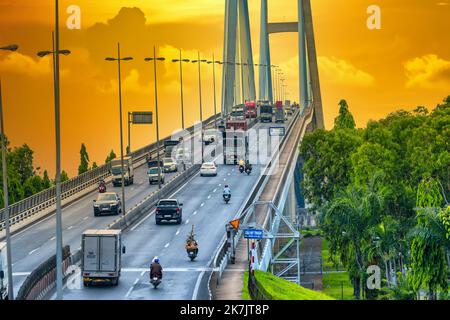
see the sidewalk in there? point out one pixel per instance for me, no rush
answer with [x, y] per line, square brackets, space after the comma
[311, 263]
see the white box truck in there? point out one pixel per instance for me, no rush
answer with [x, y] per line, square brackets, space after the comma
[101, 253]
[116, 171]
[3, 272]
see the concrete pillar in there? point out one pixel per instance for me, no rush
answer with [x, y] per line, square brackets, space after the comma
[302, 57]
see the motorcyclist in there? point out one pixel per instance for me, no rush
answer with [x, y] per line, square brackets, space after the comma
[241, 162]
[248, 165]
[102, 185]
[226, 190]
[191, 243]
[156, 269]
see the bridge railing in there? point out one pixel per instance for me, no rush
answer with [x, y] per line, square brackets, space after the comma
[88, 180]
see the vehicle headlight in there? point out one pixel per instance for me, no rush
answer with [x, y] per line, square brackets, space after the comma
[96, 205]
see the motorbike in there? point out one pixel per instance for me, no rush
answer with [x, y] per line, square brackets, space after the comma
[241, 169]
[102, 188]
[192, 254]
[248, 170]
[155, 281]
[227, 198]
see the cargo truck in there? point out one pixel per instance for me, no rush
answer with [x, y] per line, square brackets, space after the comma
[169, 148]
[235, 146]
[279, 115]
[101, 256]
[116, 171]
[250, 109]
[266, 112]
[3, 272]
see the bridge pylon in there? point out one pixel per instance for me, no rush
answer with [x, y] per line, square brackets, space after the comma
[309, 84]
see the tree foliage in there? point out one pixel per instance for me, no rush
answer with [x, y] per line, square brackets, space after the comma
[110, 157]
[84, 160]
[403, 159]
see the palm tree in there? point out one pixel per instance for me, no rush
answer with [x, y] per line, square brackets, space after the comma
[347, 220]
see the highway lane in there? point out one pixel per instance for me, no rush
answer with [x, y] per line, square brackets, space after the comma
[35, 244]
[205, 209]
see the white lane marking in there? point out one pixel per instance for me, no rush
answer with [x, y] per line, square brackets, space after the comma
[52, 238]
[143, 272]
[69, 227]
[202, 204]
[187, 221]
[175, 269]
[224, 179]
[215, 190]
[18, 274]
[209, 197]
[229, 174]
[33, 251]
[129, 291]
[136, 281]
[195, 212]
[178, 232]
[85, 218]
[220, 184]
[167, 244]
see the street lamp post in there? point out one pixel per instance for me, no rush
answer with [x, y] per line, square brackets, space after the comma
[55, 53]
[213, 62]
[12, 47]
[119, 59]
[154, 59]
[181, 60]
[129, 134]
[200, 95]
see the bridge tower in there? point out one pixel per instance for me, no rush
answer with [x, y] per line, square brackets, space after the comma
[308, 70]
[238, 83]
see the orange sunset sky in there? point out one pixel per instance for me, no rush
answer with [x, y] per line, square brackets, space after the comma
[403, 65]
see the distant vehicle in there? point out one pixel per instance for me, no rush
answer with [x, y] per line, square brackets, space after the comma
[209, 136]
[279, 104]
[154, 163]
[250, 109]
[238, 112]
[236, 125]
[153, 175]
[266, 112]
[101, 256]
[116, 171]
[107, 202]
[183, 155]
[169, 165]
[3, 272]
[235, 146]
[167, 210]
[208, 169]
[170, 146]
[279, 115]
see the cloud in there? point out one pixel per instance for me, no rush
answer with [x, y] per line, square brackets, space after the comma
[22, 64]
[428, 71]
[342, 72]
[131, 83]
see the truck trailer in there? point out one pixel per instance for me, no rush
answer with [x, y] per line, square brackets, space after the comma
[101, 256]
[116, 171]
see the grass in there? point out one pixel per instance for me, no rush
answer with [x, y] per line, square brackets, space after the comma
[332, 285]
[280, 289]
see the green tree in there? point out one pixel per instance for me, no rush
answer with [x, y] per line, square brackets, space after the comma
[94, 165]
[345, 119]
[111, 156]
[84, 160]
[64, 176]
[46, 183]
[21, 159]
[429, 243]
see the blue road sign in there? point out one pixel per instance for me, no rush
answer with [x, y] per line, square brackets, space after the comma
[253, 234]
[277, 131]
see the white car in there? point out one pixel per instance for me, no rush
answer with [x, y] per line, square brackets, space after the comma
[169, 165]
[208, 169]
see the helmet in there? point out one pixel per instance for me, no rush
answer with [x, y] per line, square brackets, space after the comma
[226, 186]
[156, 260]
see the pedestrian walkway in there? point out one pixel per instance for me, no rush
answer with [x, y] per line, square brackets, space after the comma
[311, 263]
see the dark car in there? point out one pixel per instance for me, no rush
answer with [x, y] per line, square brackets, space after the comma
[108, 202]
[168, 210]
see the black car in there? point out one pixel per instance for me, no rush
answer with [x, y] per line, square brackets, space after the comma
[108, 202]
[167, 210]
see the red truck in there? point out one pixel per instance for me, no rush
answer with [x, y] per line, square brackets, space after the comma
[279, 104]
[236, 125]
[250, 109]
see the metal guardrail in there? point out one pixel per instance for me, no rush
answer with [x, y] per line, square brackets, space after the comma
[46, 198]
[221, 259]
[43, 278]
